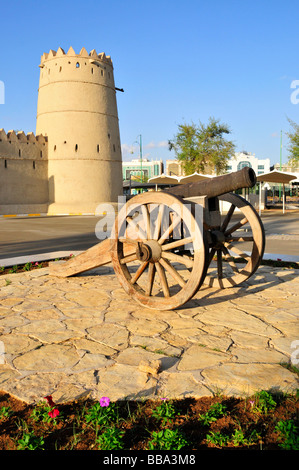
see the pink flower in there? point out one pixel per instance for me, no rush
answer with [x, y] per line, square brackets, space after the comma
[105, 401]
[53, 413]
[36, 264]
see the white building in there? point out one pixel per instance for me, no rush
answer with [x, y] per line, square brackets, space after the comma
[242, 159]
[146, 168]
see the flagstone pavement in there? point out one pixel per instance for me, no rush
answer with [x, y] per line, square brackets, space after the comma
[83, 336]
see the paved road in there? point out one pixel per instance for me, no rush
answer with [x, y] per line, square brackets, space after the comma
[282, 232]
[24, 236]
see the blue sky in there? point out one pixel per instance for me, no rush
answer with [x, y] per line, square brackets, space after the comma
[178, 61]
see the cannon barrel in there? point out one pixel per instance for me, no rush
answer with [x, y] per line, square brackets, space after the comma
[212, 187]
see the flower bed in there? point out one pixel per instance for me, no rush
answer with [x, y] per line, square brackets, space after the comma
[263, 421]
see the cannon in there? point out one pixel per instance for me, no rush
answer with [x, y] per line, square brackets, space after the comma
[164, 245]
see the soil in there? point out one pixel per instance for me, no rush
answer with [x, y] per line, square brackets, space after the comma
[21, 268]
[71, 431]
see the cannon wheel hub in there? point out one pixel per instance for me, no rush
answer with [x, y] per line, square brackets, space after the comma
[148, 251]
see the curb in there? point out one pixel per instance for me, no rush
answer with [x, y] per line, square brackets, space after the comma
[19, 260]
[48, 215]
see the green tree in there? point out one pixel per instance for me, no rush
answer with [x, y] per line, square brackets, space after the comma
[293, 147]
[203, 148]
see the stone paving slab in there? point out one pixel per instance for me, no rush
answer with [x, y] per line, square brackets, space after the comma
[83, 336]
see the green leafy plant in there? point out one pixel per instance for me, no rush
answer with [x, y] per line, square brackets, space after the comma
[102, 413]
[165, 411]
[238, 437]
[13, 269]
[46, 412]
[217, 438]
[27, 267]
[167, 439]
[111, 439]
[289, 437]
[30, 442]
[5, 412]
[217, 410]
[8, 282]
[41, 413]
[263, 402]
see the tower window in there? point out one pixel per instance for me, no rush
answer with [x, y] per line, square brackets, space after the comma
[19, 152]
[108, 136]
[113, 147]
[77, 65]
[54, 148]
[5, 163]
[102, 72]
[98, 148]
[91, 69]
[76, 147]
[33, 165]
[41, 154]
[60, 68]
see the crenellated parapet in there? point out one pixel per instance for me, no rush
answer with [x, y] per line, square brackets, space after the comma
[18, 145]
[68, 67]
[92, 56]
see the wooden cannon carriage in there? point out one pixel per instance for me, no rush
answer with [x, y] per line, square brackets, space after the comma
[165, 244]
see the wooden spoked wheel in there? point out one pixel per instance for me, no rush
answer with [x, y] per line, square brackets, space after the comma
[150, 242]
[237, 246]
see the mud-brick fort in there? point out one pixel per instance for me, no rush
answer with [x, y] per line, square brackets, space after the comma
[72, 163]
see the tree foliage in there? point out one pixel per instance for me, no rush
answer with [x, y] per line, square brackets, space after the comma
[203, 148]
[293, 147]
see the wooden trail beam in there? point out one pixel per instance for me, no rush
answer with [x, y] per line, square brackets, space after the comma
[97, 255]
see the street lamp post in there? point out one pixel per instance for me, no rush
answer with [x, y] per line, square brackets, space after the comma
[140, 155]
[280, 160]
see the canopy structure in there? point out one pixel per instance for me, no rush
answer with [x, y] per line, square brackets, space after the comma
[275, 176]
[193, 178]
[164, 179]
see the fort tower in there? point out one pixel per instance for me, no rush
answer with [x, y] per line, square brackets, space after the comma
[77, 113]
